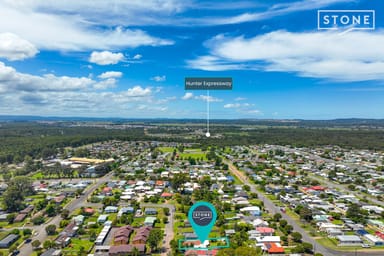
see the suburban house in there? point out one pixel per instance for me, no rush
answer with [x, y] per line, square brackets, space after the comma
[141, 235]
[52, 252]
[122, 235]
[79, 219]
[8, 240]
[102, 218]
[265, 231]
[150, 221]
[120, 250]
[251, 210]
[274, 248]
[349, 240]
[111, 209]
[150, 211]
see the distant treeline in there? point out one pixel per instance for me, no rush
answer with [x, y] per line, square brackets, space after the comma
[341, 123]
[305, 137]
[19, 139]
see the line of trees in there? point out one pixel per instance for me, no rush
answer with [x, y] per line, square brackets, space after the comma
[42, 141]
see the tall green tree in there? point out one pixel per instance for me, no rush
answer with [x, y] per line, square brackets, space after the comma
[13, 199]
[178, 180]
[154, 238]
[51, 229]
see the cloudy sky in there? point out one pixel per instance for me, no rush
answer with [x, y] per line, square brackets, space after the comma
[129, 59]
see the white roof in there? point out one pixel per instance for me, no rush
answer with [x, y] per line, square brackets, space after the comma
[250, 209]
[268, 239]
[348, 238]
[373, 238]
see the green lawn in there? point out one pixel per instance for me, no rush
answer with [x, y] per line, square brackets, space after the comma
[337, 222]
[41, 176]
[332, 243]
[188, 152]
[137, 222]
[76, 245]
[160, 225]
[166, 149]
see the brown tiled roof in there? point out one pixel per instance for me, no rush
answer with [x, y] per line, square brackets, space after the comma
[127, 248]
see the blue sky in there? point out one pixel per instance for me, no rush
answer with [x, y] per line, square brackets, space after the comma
[129, 59]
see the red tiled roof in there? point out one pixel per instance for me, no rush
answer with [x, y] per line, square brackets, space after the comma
[20, 217]
[142, 234]
[201, 252]
[121, 249]
[89, 210]
[265, 230]
[318, 188]
[191, 242]
[121, 239]
[379, 234]
[274, 248]
[107, 189]
[59, 199]
[165, 194]
[159, 183]
[124, 231]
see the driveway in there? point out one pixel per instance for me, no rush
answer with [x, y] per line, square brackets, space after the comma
[169, 234]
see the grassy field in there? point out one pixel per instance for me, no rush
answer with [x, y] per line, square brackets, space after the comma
[166, 149]
[188, 152]
[41, 176]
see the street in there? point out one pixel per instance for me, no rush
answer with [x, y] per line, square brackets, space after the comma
[41, 235]
[272, 209]
[330, 183]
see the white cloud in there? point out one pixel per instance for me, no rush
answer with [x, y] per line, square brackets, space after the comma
[231, 105]
[159, 78]
[137, 57]
[11, 80]
[190, 96]
[70, 30]
[80, 19]
[165, 100]
[111, 74]
[187, 96]
[152, 108]
[272, 11]
[105, 84]
[106, 57]
[12, 47]
[138, 91]
[207, 98]
[75, 25]
[238, 105]
[254, 111]
[240, 99]
[26, 94]
[213, 63]
[326, 55]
